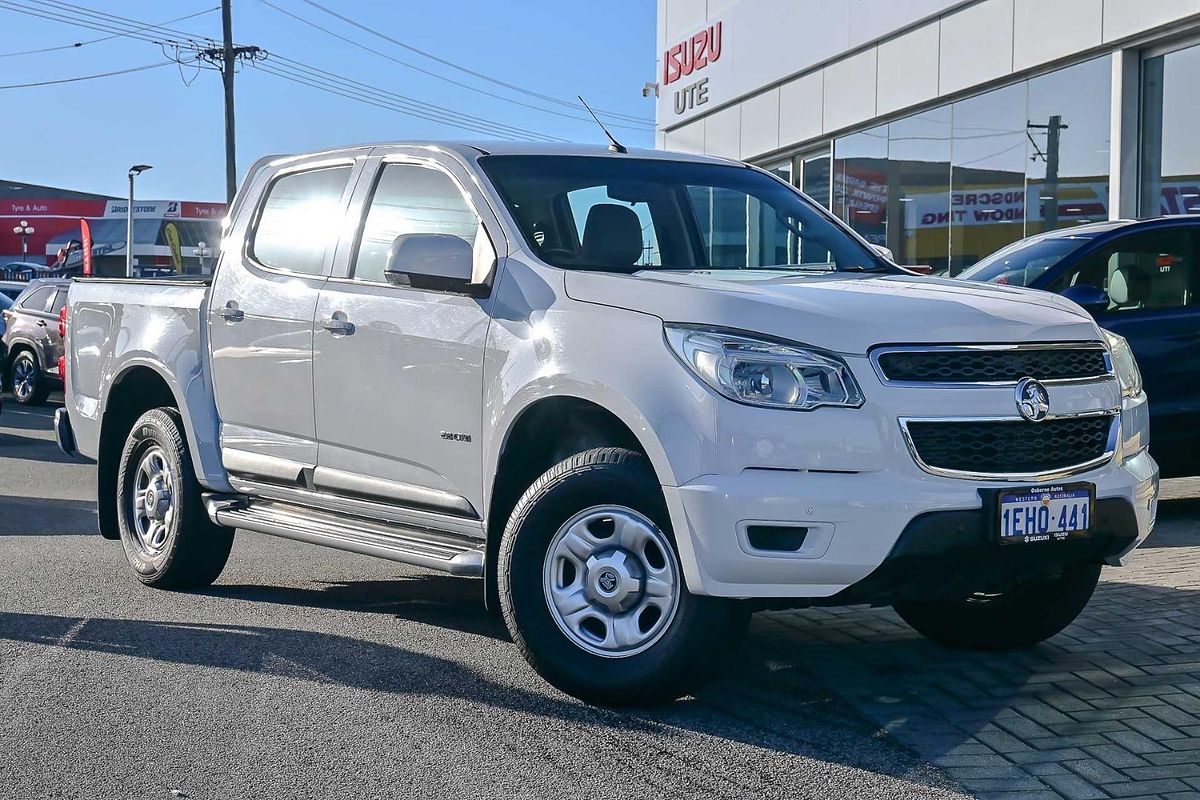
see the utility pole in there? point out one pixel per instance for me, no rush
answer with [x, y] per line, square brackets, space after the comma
[1050, 187]
[227, 78]
[225, 58]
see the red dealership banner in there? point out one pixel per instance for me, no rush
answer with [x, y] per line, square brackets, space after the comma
[87, 247]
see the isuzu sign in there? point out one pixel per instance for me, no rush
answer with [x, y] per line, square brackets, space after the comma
[687, 58]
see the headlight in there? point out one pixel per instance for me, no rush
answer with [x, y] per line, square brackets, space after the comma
[764, 373]
[1125, 365]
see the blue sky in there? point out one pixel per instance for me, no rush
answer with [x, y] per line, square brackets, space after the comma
[85, 135]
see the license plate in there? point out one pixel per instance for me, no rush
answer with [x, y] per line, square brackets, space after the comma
[1051, 513]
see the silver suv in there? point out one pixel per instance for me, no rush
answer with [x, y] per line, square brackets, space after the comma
[32, 341]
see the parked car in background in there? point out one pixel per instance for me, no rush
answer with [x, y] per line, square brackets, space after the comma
[12, 289]
[32, 342]
[1139, 279]
[21, 271]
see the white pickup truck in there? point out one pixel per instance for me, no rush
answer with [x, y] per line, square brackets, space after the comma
[640, 394]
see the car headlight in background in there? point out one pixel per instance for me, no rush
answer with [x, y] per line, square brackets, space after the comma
[1124, 364]
[765, 373]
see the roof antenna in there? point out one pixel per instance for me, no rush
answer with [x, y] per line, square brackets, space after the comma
[614, 145]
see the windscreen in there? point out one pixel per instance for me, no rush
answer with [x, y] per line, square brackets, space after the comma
[628, 214]
[1022, 263]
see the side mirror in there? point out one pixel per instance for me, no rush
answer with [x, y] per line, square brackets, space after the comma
[1093, 299]
[435, 261]
[886, 252]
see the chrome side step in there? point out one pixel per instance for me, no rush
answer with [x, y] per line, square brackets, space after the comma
[407, 544]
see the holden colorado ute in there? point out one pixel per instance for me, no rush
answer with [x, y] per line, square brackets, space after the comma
[640, 394]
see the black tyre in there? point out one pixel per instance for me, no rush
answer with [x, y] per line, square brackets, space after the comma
[29, 386]
[1021, 617]
[167, 535]
[592, 591]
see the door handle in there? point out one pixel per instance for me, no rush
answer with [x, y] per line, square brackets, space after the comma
[231, 313]
[41, 323]
[338, 325]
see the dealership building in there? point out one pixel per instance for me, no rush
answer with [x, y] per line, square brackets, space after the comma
[40, 227]
[944, 129]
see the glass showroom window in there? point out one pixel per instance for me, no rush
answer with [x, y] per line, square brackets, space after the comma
[1170, 161]
[917, 176]
[987, 181]
[860, 183]
[815, 175]
[1069, 131]
[948, 186]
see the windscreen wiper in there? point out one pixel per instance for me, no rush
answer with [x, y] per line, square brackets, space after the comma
[861, 268]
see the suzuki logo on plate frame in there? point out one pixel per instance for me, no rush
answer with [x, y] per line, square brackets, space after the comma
[1033, 401]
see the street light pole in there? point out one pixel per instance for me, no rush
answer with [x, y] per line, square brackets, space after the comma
[24, 230]
[134, 171]
[202, 252]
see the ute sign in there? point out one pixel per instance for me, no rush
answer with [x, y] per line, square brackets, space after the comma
[686, 59]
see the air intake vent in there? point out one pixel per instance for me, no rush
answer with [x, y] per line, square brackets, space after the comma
[993, 365]
[776, 538]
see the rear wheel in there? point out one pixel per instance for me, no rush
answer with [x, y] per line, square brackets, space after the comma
[29, 386]
[592, 590]
[1018, 618]
[167, 535]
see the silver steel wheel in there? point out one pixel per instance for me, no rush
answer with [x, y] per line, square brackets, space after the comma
[154, 501]
[612, 581]
[24, 378]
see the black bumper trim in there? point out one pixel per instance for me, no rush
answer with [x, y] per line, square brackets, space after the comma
[951, 554]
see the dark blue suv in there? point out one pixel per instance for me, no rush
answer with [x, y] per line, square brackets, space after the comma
[1141, 280]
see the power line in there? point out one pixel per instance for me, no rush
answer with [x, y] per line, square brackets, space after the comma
[439, 76]
[117, 20]
[314, 77]
[366, 99]
[460, 68]
[103, 38]
[428, 111]
[84, 23]
[88, 77]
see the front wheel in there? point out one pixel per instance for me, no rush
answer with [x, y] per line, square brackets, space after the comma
[168, 538]
[592, 590]
[1015, 619]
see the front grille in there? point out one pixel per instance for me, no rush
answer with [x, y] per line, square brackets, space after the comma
[992, 366]
[1009, 447]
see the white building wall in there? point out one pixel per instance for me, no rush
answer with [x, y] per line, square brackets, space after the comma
[797, 71]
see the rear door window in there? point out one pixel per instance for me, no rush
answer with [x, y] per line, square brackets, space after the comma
[299, 220]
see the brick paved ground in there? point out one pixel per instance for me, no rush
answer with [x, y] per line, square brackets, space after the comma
[1109, 708]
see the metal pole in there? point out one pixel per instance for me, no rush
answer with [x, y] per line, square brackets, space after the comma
[1053, 137]
[227, 76]
[129, 229]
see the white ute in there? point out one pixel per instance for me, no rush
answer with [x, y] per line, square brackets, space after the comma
[640, 394]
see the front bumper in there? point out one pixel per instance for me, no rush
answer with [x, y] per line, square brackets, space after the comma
[858, 521]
